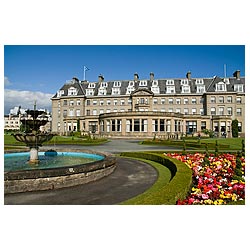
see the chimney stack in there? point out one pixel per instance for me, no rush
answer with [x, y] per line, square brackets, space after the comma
[136, 77]
[237, 74]
[100, 78]
[188, 75]
[152, 76]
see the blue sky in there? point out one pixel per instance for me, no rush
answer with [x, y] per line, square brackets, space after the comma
[30, 70]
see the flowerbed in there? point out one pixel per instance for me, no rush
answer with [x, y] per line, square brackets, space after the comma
[213, 181]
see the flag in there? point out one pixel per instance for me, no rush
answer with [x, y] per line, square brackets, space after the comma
[85, 68]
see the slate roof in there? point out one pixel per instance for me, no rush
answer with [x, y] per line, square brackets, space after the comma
[210, 85]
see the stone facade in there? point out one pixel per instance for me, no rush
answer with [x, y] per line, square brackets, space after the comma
[152, 107]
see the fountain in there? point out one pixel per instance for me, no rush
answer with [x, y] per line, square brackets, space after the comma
[54, 169]
[32, 136]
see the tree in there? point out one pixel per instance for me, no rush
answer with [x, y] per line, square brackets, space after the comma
[235, 131]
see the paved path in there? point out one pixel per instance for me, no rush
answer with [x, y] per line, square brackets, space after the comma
[117, 146]
[129, 179]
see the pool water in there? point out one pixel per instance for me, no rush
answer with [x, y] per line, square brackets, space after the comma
[19, 161]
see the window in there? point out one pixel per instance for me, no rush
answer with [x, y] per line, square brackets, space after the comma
[201, 111]
[170, 101]
[170, 82]
[64, 102]
[118, 125]
[238, 87]
[136, 125]
[155, 125]
[130, 89]
[94, 112]
[72, 91]
[184, 82]
[88, 102]
[221, 99]
[115, 102]
[163, 110]
[229, 111]
[129, 125]
[94, 102]
[221, 110]
[108, 125]
[191, 127]
[193, 100]
[229, 99]
[144, 125]
[71, 103]
[178, 101]
[71, 112]
[155, 83]
[78, 112]
[238, 99]
[113, 125]
[64, 113]
[193, 111]
[185, 111]
[131, 83]
[185, 89]
[238, 111]
[89, 92]
[162, 124]
[87, 112]
[91, 85]
[101, 103]
[117, 84]
[239, 127]
[200, 89]
[199, 81]
[116, 91]
[213, 99]
[104, 84]
[170, 89]
[102, 91]
[203, 125]
[221, 86]
[108, 110]
[170, 110]
[178, 110]
[155, 101]
[155, 89]
[108, 102]
[143, 83]
[60, 93]
[101, 111]
[213, 111]
[122, 102]
[177, 126]
[185, 100]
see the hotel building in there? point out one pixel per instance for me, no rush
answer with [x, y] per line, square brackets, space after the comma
[165, 108]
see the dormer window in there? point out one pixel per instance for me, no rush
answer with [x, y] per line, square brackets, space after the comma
[72, 91]
[155, 89]
[91, 85]
[170, 82]
[89, 91]
[226, 81]
[155, 83]
[131, 83]
[102, 91]
[185, 89]
[130, 89]
[60, 93]
[170, 89]
[238, 87]
[143, 83]
[221, 86]
[184, 82]
[199, 81]
[116, 91]
[200, 89]
[104, 85]
[117, 84]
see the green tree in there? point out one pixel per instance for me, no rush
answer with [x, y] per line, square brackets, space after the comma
[235, 131]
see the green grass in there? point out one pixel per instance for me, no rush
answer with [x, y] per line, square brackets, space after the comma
[167, 192]
[164, 176]
[224, 144]
[56, 140]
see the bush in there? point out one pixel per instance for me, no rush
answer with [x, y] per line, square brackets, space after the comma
[177, 188]
[235, 131]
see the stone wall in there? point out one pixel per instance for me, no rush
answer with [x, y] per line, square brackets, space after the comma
[70, 176]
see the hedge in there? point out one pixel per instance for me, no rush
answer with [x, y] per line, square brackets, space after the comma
[177, 188]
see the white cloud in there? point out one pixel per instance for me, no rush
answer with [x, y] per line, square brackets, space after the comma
[6, 81]
[26, 99]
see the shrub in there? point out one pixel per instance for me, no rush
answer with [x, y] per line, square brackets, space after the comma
[235, 131]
